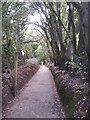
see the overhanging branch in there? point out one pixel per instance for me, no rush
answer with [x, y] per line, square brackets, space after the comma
[29, 41]
[59, 19]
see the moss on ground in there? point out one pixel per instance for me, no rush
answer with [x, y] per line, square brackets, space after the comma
[68, 100]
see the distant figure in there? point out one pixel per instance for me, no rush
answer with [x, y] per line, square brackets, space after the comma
[41, 63]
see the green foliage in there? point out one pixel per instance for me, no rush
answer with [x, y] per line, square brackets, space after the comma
[51, 30]
[14, 18]
[34, 48]
[77, 66]
[39, 53]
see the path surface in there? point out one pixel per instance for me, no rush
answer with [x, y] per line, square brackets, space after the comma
[38, 98]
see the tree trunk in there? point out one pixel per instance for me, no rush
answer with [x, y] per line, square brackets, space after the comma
[48, 44]
[83, 14]
[71, 24]
[18, 44]
[59, 29]
[54, 39]
[88, 49]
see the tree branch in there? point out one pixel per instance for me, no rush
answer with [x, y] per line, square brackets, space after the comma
[60, 21]
[77, 6]
[29, 41]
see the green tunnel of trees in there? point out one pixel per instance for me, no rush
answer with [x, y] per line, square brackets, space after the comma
[58, 34]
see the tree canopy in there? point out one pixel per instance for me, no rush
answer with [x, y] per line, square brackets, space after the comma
[49, 31]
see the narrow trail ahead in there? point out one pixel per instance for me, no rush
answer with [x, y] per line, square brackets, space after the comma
[38, 98]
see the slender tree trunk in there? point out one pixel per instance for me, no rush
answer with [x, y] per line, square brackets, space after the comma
[8, 46]
[18, 44]
[54, 39]
[71, 24]
[59, 29]
[48, 44]
[88, 49]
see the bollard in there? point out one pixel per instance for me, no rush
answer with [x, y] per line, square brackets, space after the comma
[15, 77]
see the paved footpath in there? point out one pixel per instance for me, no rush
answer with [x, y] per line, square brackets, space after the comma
[38, 98]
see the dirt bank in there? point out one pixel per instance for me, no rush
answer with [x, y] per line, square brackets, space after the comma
[73, 92]
[25, 72]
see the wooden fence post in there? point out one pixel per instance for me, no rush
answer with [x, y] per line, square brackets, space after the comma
[15, 77]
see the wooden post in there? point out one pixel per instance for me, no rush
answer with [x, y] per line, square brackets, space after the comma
[15, 77]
